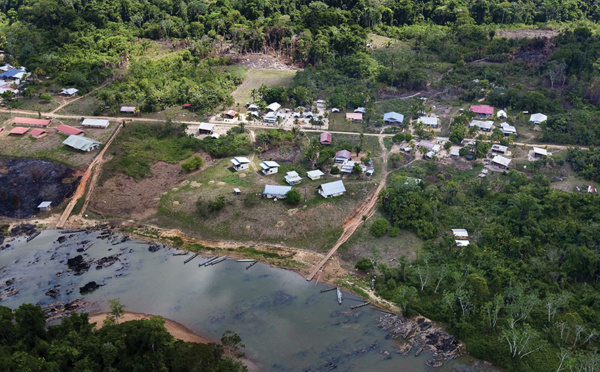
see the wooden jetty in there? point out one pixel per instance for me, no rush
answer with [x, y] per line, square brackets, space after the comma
[220, 259]
[252, 264]
[246, 260]
[360, 305]
[88, 247]
[327, 290]
[203, 263]
[191, 258]
[35, 235]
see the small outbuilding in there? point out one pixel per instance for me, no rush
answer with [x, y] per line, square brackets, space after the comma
[501, 114]
[206, 128]
[69, 92]
[499, 149]
[325, 138]
[343, 156]
[68, 130]
[539, 152]
[276, 191]
[335, 109]
[460, 233]
[508, 129]
[274, 107]
[538, 118]
[270, 117]
[501, 162]
[315, 174]
[30, 122]
[332, 189]
[429, 121]
[38, 133]
[361, 110]
[95, 123]
[393, 118]
[240, 163]
[454, 153]
[231, 114]
[81, 143]
[18, 131]
[461, 243]
[269, 167]
[128, 109]
[354, 116]
[45, 206]
[293, 178]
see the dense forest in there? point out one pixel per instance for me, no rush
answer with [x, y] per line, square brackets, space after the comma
[524, 294]
[74, 345]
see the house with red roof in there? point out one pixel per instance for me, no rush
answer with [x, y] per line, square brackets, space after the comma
[18, 131]
[483, 111]
[38, 133]
[30, 122]
[69, 130]
[325, 138]
[354, 116]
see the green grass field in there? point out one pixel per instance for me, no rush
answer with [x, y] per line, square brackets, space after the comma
[255, 78]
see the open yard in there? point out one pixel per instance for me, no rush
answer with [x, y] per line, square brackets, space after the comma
[50, 147]
[255, 78]
[315, 223]
[338, 123]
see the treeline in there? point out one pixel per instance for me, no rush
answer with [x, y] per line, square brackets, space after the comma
[524, 293]
[74, 345]
[586, 163]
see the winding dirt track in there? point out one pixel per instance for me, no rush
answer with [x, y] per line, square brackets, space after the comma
[367, 209]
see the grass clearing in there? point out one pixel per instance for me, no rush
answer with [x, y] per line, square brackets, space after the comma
[255, 78]
[338, 123]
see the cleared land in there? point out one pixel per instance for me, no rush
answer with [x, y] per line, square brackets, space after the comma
[255, 78]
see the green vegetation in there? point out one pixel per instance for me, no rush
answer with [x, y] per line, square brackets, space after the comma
[293, 197]
[192, 164]
[380, 227]
[364, 264]
[528, 275]
[74, 345]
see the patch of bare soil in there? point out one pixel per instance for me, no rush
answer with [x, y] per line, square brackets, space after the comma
[282, 154]
[535, 52]
[527, 33]
[124, 197]
[263, 62]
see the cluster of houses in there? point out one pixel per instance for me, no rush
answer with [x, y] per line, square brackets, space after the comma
[268, 167]
[12, 78]
[485, 112]
[39, 129]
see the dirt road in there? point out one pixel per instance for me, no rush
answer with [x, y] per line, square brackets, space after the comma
[366, 209]
[92, 171]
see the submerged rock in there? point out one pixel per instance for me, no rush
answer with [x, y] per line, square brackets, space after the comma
[78, 265]
[89, 287]
[153, 247]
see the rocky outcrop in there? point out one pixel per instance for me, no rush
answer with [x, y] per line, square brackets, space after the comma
[78, 265]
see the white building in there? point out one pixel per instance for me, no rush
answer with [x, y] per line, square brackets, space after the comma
[269, 167]
[429, 121]
[276, 191]
[95, 123]
[332, 189]
[538, 118]
[240, 163]
[460, 233]
[508, 129]
[501, 162]
[315, 174]
[293, 178]
[485, 126]
[274, 107]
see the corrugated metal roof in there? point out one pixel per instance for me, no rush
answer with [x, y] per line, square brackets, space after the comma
[240, 160]
[488, 124]
[540, 151]
[333, 188]
[95, 123]
[354, 116]
[393, 116]
[482, 109]
[271, 164]
[129, 109]
[462, 243]
[80, 142]
[428, 120]
[206, 126]
[501, 160]
[460, 232]
[37, 132]
[273, 106]
[343, 154]
[67, 129]
[538, 118]
[276, 190]
[18, 130]
[315, 173]
[325, 137]
[45, 204]
[31, 121]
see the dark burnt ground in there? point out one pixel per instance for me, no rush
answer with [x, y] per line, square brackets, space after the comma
[25, 183]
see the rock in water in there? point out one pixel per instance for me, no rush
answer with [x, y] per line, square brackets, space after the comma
[90, 287]
[78, 265]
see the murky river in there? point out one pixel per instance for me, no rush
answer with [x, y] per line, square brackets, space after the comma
[284, 321]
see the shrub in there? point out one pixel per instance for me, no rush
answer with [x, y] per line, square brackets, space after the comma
[293, 197]
[206, 207]
[250, 200]
[364, 264]
[380, 227]
[46, 97]
[192, 164]
[335, 170]
[394, 232]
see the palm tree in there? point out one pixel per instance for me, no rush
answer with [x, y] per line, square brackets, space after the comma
[253, 94]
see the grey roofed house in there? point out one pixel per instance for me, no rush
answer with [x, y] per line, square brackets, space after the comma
[274, 106]
[128, 109]
[315, 174]
[276, 191]
[95, 123]
[501, 161]
[69, 92]
[483, 125]
[271, 117]
[45, 205]
[508, 129]
[461, 233]
[455, 153]
[331, 189]
[361, 110]
[538, 118]
[206, 128]
[335, 109]
[430, 155]
[537, 151]
[293, 178]
[393, 117]
[269, 167]
[429, 121]
[81, 143]
[499, 148]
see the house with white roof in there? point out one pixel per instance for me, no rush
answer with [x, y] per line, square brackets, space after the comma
[429, 121]
[539, 152]
[269, 167]
[501, 162]
[274, 107]
[240, 163]
[501, 114]
[81, 143]
[69, 92]
[508, 129]
[206, 128]
[332, 189]
[460, 233]
[270, 117]
[485, 126]
[499, 149]
[461, 243]
[293, 178]
[276, 191]
[361, 110]
[315, 174]
[45, 206]
[392, 117]
[538, 118]
[95, 123]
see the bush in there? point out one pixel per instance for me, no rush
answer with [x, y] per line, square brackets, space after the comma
[293, 197]
[206, 207]
[364, 264]
[380, 227]
[394, 232]
[250, 200]
[335, 170]
[192, 164]
[46, 97]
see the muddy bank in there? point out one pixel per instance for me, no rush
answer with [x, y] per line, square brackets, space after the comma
[25, 183]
